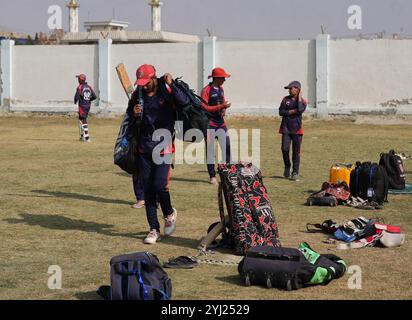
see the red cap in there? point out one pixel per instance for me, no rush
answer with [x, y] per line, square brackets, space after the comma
[144, 73]
[219, 73]
[82, 77]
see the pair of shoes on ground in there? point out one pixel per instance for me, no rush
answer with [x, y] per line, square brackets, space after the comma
[181, 262]
[294, 176]
[359, 203]
[169, 228]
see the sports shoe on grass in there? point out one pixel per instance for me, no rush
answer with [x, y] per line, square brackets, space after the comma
[213, 181]
[138, 204]
[286, 173]
[170, 223]
[295, 176]
[152, 237]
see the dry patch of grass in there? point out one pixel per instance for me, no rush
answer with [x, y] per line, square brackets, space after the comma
[65, 203]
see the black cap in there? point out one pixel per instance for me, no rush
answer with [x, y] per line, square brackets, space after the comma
[295, 84]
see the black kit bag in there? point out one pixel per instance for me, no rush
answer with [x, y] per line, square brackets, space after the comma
[374, 183]
[289, 268]
[282, 268]
[370, 182]
[355, 176]
[193, 115]
[125, 149]
[393, 165]
[138, 276]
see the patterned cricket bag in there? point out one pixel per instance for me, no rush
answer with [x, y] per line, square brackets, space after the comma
[251, 218]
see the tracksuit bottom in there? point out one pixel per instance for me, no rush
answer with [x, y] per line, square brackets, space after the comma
[210, 146]
[155, 179]
[138, 188]
[296, 140]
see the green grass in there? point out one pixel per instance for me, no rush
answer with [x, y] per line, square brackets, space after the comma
[64, 203]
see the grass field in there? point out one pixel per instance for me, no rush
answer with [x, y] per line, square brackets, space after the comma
[64, 203]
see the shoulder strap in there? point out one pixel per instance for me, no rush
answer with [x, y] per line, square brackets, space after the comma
[163, 90]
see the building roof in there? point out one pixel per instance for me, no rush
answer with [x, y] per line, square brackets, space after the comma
[128, 36]
[110, 23]
[10, 34]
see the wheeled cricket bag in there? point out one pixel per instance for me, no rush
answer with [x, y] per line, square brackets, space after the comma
[138, 276]
[393, 165]
[289, 268]
[251, 218]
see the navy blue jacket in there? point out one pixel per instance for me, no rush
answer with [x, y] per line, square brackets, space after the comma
[84, 95]
[291, 124]
[158, 113]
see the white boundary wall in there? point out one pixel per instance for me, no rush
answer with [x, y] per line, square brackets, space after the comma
[338, 76]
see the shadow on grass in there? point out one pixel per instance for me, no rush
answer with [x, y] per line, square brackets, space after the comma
[181, 242]
[123, 174]
[278, 177]
[189, 180]
[56, 222]
[78, 196]
[234, 279]
[89, 295]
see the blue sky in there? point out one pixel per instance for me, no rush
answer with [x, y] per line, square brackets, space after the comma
[227, 19]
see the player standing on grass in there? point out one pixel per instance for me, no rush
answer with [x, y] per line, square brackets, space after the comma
[84, 97]
[291, 109]
[214, 95]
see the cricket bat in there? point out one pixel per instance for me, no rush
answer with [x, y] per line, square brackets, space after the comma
[213, 234]
[124, 80]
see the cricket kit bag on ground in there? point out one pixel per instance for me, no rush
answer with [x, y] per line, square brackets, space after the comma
[370, 182]
[138, 276]
[393, 165]
[289, 268]
[330, 195]
[251, 218]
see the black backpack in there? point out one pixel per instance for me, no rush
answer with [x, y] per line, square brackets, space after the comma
[125, 149]
[138, 276]
[394, 168]
[288, 268]
[370, 182]
[193, 115]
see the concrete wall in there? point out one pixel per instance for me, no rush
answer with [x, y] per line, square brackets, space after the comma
[370, 73]
[45, 75]
[338, 76]
[181, 60]
[260, 70]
